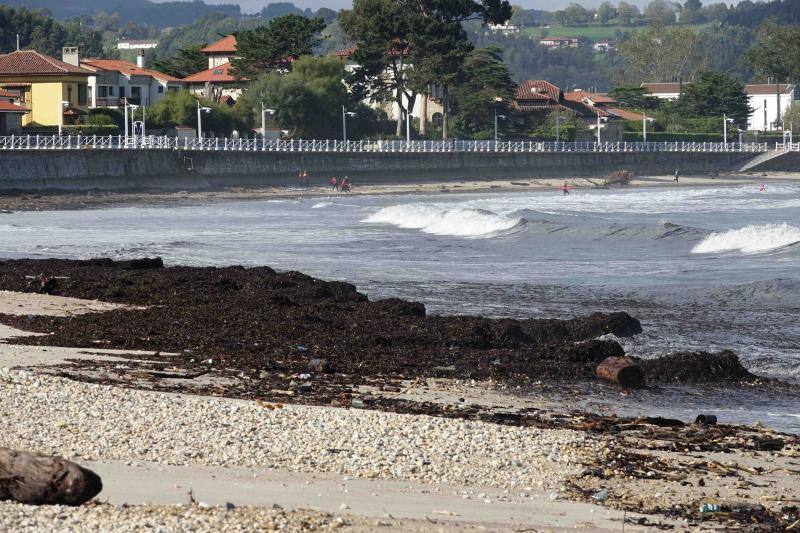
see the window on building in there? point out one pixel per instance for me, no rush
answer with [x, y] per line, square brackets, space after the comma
[111, 91]
[437, 120]
[69, 94]
[160, 89]
[82, 94]
[122, 91]
[102, 91]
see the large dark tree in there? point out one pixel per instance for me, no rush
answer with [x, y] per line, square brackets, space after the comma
[487, 88]
[429, 36]
[187, 61]
[714, 94]
[380, 30]
[276, 44]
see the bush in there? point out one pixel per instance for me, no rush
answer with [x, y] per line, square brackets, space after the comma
[90, 129]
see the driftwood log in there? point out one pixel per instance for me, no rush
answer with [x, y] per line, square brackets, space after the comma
[40, 480]
[622, 370]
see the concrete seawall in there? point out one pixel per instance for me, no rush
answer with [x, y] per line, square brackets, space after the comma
[168, 169]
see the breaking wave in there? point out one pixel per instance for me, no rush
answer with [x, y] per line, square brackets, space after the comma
[320, 205]
[750, 239]
[439, 220]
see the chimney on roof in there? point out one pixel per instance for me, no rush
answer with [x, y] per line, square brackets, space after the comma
[69, 54]
[140, 59]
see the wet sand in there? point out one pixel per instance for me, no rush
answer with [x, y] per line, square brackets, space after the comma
[55, 200]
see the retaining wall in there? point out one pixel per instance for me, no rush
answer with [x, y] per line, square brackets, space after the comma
[144, 169]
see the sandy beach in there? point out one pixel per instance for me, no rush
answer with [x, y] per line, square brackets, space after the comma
[179, 450]
[50, 200]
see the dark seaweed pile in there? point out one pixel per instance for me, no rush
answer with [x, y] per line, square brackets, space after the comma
[262, 319]
[257, 319]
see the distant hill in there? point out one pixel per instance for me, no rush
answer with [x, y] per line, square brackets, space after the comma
[161, 15]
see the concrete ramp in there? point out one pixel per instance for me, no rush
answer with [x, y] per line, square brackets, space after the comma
[773, 161]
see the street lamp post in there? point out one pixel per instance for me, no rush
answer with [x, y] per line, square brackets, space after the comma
[133, 108]
[558, 127]
[496, 116]
[598, 126]
[201, 109]
[725, 121]
[264, 112]
[645, 120]
[345, 114]
[62, 105]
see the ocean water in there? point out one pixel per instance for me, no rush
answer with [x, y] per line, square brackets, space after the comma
[703, 268]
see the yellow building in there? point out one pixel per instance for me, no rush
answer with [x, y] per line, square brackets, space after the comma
[47, 87]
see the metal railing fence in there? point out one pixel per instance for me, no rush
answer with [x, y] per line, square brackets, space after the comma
[152, 142]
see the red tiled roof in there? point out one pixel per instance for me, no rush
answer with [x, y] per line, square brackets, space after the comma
[125, 67]
[226, 45]
[766, 88]
[345, 52]
[8, 107]
[624, 114]
[662, 87]
[219, 74]
[33, 63]
[537, 90]
[597, 98]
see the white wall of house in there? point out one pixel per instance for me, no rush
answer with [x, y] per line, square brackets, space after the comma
[765, 115]
[107, 88]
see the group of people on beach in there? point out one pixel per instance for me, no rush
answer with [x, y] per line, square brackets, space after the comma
[342, 186]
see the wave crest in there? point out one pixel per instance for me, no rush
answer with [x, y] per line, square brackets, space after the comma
[750, 239]
[454, 221]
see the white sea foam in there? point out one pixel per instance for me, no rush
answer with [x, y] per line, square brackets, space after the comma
[320, 205]
[441, 220]
[750, 239]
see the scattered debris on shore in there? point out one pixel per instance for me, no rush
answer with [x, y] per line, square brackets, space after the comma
[276, 338]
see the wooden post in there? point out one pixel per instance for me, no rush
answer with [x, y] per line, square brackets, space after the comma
[35, 479]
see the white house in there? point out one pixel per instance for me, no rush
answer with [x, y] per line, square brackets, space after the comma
[429, 107]
[218, 82]
[762, 98]
[136, 45]
[763, 101]
[115, 81]
[664, 91]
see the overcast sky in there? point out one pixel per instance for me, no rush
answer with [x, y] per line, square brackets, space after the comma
[254, 6]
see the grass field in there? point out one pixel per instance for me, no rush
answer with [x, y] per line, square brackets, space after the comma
[594, 32]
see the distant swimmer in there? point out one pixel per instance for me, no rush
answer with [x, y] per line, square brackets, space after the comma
[565, 188]
[762, 188]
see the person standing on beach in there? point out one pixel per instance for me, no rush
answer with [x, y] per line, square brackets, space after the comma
[334, 184]
[677, 175]
[565, 188]
[345, 187]
[304, 180]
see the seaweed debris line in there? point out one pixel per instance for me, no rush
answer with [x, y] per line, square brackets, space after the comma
[285, 337]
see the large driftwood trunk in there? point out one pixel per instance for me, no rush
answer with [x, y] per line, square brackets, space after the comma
[39, 479]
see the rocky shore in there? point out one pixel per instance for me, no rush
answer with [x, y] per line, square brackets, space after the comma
[314, 378]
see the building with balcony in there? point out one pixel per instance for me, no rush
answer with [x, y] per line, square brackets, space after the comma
[51, 91]
[114, 82]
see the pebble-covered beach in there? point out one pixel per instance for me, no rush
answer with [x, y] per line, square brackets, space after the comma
[89, 422]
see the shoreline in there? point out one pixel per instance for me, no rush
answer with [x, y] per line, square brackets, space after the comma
[49, 200]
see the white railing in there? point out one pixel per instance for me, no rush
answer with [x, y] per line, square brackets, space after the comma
[788, 147]
[152, 142]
